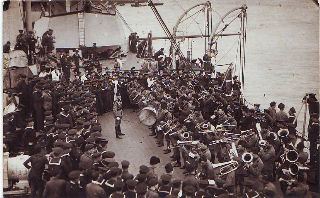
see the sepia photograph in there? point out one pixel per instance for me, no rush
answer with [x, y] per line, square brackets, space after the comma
[160, 99]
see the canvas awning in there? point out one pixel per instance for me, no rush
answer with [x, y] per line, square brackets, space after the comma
[103, 29]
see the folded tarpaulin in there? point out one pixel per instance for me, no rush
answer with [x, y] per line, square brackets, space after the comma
[18, 58]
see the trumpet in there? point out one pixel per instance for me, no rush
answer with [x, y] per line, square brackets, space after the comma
[262, 142]
[188, 142]
[220, 141]
[283, 133]
[247, 157]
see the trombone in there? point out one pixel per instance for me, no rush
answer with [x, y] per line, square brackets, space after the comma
[262, 142]
[226, 167]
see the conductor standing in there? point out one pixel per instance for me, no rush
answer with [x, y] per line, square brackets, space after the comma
[118, 112]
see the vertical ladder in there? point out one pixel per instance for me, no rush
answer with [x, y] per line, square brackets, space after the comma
[81, 26]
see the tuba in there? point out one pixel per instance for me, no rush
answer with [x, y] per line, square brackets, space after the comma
[292, 156]
[294, 168]
[283, 133]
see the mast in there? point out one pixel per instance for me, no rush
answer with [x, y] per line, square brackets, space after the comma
[28, 16]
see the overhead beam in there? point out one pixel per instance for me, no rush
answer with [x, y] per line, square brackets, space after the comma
[191, 36]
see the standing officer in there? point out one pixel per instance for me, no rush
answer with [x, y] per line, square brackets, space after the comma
[31, 42]
[21, 42]
[47, 41]
[38, 162]
[76, 59]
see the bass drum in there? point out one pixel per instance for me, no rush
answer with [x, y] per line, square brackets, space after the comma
[14, 168]
[148, 116]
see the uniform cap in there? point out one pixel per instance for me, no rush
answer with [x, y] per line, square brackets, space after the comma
[90, 140]
[125, 164]
[176, 183]
[95, 134]
[165, 178]
[113, 171]
[203, 183]
[154, 160]
[88, 147]
[168, 167]
[131, 183]
[67, 145]
[72, 131]
[74, 174]
[141, 177]
[189, 189]
[144, 169]
[125, 176]
[119, 184]
[96, 155]
[108, 154]
[141, 188]
[152, 182]
[57, 151]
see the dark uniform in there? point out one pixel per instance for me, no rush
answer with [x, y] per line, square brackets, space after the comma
[38, 162]
[55, 188]
[6, 47]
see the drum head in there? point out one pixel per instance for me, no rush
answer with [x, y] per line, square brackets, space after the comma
[148, 116]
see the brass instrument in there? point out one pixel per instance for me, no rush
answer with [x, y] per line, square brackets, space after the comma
[233, 151]
[294, 168]
[171, 129]
[186, 135]
[292, 156]
[229, 168]
[170, 106]
[289, 182]
[283, 133]
[262, 142]
[275, 136]
[226, 167]
[204, 126]
[247, 157]
[188, 142]
[189, 118]
[220, 141]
